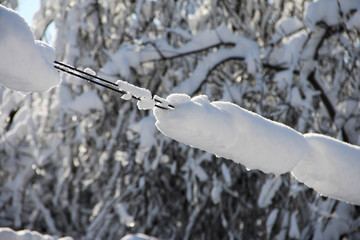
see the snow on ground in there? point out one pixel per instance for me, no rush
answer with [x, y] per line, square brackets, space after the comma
[26, 64]
[9, 234]
[329, 166]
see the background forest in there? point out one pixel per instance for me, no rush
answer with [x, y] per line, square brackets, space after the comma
[100, 169]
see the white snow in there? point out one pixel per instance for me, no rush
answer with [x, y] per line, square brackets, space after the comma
[90, 71]
[162, 102]
[294, 231]
[270, 221]
[226, 174]
[124, 216]
[339, 225]
[26, 64]
[244, 49]
[146, 130]
[123, 60]
[134, 90]
[299, 47]
[286, 26]
[9, 100]
[145, 103]
[9, 234]
[344, 109]
[131, 57]
[138, 236]
[296, 99]
[216, 192]
[225, 129]
[268, 191]
[16, 134]
[179, 31]
[331, 167]
[328, 165]
[85, 103]
[354, 21]
[146, 100]
[283, 79]
[126, 96]
[328, 11]
[290, 52]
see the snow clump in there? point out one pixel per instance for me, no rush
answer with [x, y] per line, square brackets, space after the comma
[328, 165]
[26, 64]
[228, 131]
[144, 96]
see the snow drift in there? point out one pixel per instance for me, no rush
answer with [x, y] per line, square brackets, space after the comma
[26, 64]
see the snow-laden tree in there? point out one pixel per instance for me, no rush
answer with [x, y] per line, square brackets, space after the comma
[80, 161]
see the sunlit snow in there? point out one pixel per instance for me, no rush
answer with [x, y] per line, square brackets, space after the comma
[9, 234]
[225, 129]
[329, 166]
[144, 95]
[26, 64]
[85, 103]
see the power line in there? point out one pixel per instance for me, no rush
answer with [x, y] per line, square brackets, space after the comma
[63, 67]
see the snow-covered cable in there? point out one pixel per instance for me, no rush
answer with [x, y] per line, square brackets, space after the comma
[146, 100]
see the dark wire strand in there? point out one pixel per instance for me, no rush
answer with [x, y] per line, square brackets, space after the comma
[66, 67]
[90, 78]
[85, 73]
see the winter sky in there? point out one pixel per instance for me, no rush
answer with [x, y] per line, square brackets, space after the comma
[27, 9]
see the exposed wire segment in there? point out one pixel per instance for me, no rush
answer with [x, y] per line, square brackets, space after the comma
[63, 67]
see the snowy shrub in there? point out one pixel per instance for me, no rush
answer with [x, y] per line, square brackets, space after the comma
[80, 161]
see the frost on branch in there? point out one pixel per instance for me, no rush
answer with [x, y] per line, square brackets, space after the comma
[241, 48]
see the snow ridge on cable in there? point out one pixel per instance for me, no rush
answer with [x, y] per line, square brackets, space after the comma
[328, 165]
